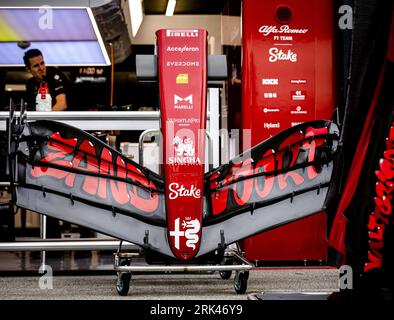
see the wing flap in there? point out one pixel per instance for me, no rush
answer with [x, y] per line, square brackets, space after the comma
[281, 180]
[66, 173]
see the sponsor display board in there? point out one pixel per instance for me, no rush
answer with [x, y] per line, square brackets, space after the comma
[287, 80]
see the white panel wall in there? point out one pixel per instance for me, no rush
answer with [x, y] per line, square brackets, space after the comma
[212, 23]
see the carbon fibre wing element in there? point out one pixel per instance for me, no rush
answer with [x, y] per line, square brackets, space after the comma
[282, 179]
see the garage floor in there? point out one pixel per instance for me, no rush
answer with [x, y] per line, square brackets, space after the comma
[90, 276]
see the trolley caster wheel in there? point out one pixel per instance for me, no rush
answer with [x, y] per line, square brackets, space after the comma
[241, 282]
[123, 283]
[225, 275]
[123, 280]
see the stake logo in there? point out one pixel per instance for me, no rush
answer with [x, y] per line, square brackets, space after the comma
[177, 190]
[190, 230]
[278, 55]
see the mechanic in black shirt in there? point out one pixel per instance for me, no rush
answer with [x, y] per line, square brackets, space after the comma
[57, 82]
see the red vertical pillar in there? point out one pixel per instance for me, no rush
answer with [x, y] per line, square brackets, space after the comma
[287, 78]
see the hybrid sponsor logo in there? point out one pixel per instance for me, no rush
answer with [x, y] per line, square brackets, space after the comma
[278, 55]
[269, 125]
[298, 110]
[270, 82]
[188, 99]
[267, 30]
[268, 110]
[182, 33]
[183, 49]
[190, 230]
[177, 190]
[183, 63]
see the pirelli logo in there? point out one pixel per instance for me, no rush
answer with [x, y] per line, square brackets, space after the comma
[182, 33]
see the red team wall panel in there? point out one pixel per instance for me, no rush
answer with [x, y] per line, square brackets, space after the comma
[287, 79]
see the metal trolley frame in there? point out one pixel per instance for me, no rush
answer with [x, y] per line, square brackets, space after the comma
[233, 261]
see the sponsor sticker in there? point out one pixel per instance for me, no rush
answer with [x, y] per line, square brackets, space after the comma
[183, 49]
[298, 81]
[276, 54]
[299, 110]
[182, 78]
[270, 125]
[298, 95]
[270, 81]
[182, 33]
[270, 95]
[183, 63]
[270, 110]
[183, 102]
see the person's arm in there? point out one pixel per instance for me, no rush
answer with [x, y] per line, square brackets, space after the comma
[61, 103]
[59, 82]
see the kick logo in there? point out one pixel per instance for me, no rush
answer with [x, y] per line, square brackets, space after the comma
[190, 232]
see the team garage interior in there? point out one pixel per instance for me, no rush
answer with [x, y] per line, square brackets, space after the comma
[243, 147]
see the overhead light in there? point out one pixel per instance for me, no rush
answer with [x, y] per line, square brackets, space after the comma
[170, 7]
[136, 15]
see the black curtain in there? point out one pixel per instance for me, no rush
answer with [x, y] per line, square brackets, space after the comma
[367, 64]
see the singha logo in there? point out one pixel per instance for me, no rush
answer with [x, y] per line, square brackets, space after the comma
[183, 147]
